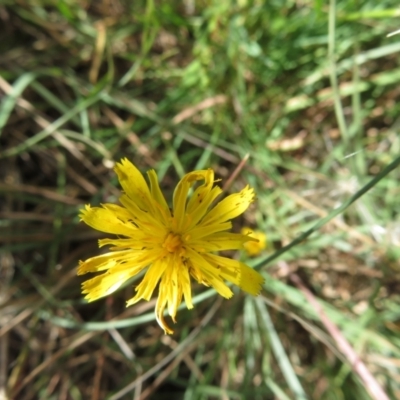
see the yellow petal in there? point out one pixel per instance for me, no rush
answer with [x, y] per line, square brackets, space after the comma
[122, 244]
[179, 201]
[133, 183]
[118, 273]
[199, 207]
[145, 220]
[221, 241]
[219, 285]
[174, 290]
[250, 280]
[103, 285]
[186, 288]
[209, 273]
[229, 208]
[202, 191]
[181, 193]
[146, 288]
[158, 195]
[120, 212]
[237, 272]
[160, 307]
[106, 220]
[201, 231]
[102, 262]
[227, 268]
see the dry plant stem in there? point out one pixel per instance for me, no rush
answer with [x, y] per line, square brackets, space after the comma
[371, 384]
[81, 181]
[97, 377]
[174, 353]
[98, 51]
[161, 378]
[203, 105]
[45, 193]
[124, 128]
[188, 360]
[235, 173]
[205, 145]
[184, 356]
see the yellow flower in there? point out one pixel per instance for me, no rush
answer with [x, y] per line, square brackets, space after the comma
[172, 245]
[254, 248]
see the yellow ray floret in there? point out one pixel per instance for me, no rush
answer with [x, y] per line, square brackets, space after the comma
[170, 246]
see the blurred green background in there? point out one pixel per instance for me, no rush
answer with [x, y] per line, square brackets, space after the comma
[308, 90]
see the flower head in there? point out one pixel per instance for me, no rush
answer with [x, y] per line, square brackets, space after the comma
[254, 248]
[173, 245]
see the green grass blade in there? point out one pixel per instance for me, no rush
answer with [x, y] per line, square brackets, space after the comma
[280, 354]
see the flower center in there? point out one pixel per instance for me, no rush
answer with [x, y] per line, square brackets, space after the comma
[173, 243]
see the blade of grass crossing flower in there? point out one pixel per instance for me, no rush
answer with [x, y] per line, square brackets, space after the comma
[280, 354]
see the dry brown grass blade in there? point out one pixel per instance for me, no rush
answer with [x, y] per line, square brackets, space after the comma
[45, 193]
[358, 366]
[216, 150]
[98, 51]
[236, 172]
[97, 377]
[203, 105]
[124, 128]
[162, 377]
